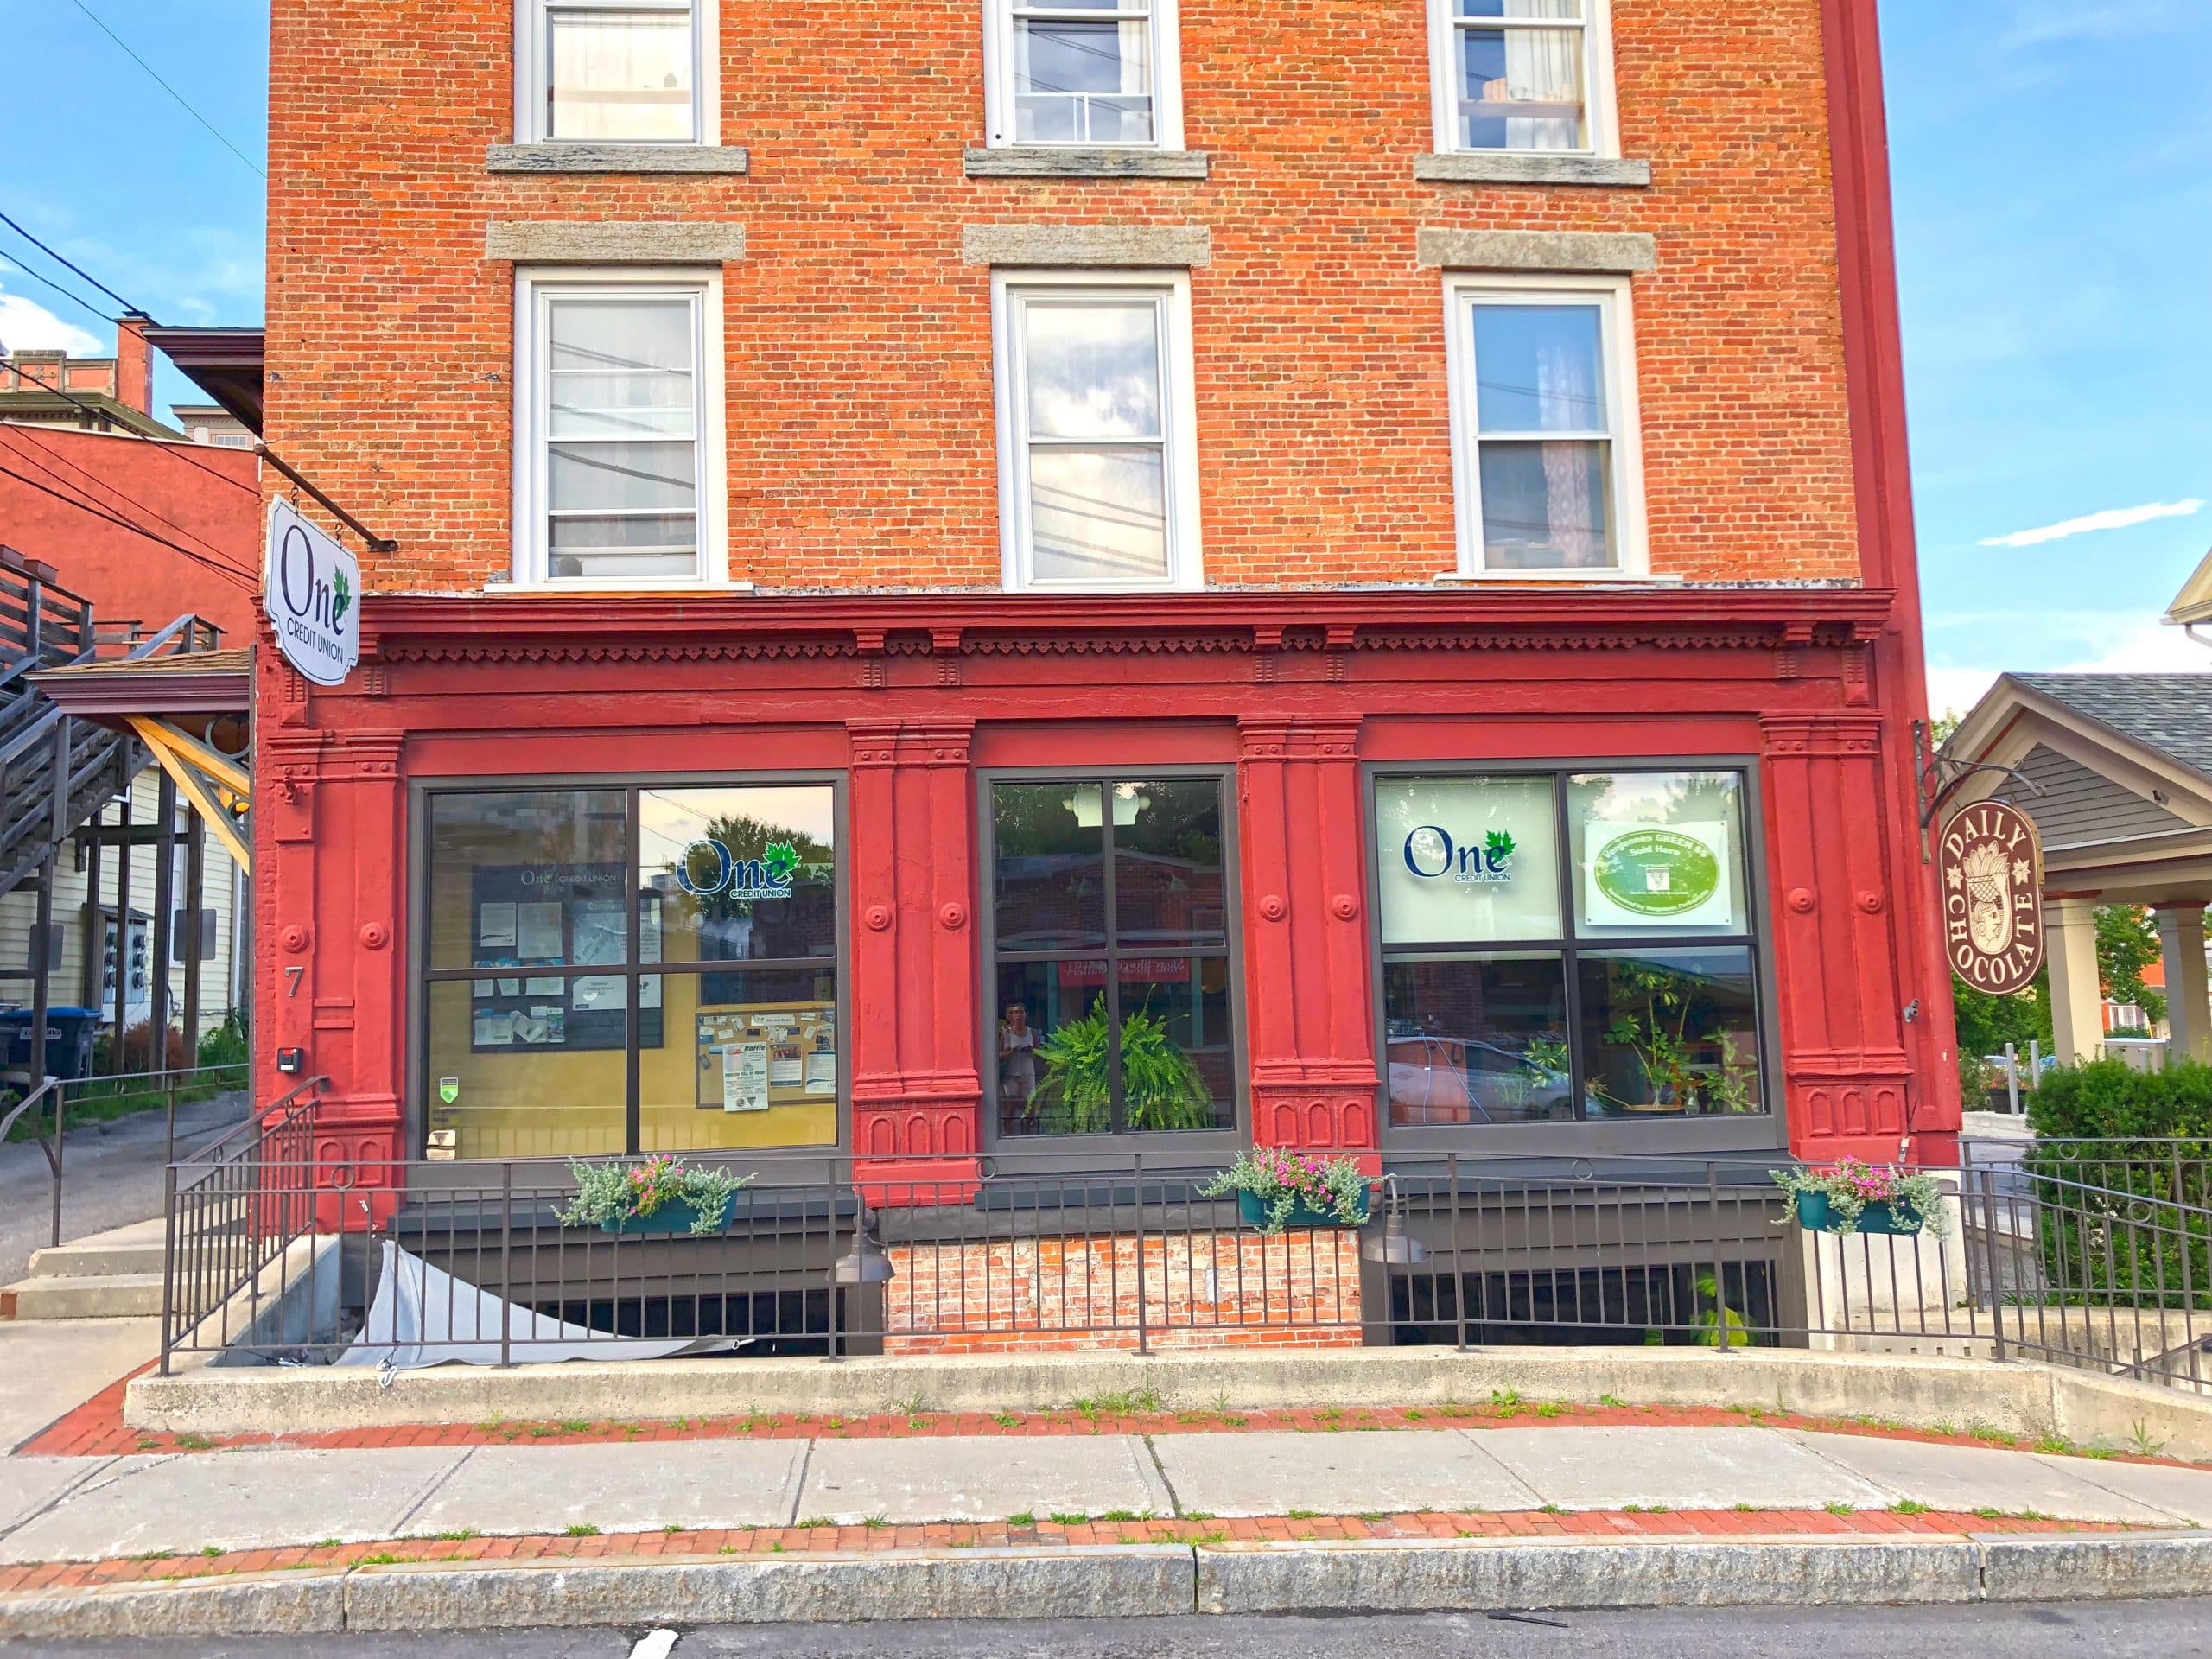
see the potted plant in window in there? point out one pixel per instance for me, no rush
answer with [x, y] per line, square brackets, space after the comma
[1161, 1086]
[1856, 1197]
[1276, 1190]
[661, 1195]
[1658, 1019]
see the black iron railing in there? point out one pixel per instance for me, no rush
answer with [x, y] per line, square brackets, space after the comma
[2087, 1259]
[232, 1207]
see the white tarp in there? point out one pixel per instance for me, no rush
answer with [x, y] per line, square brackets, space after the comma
[424, 1316]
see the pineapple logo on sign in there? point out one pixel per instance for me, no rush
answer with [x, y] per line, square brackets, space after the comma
[1991, 865]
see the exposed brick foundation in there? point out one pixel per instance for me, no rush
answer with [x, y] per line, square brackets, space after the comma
[1300, 1289]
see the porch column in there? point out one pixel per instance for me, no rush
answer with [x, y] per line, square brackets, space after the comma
[1309, 1031]
[910, 1006]
[2189, 999]
[2077, 1018]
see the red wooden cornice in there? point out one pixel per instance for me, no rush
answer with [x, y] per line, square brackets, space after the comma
[476, 628]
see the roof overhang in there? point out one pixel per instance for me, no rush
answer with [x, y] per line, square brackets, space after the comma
[2014, 718]
[188, 685]
[224, 363]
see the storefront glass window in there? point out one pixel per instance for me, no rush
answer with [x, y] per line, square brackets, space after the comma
[649, 968]
[1670, 1033]
[1564, 947]
[1113, 1004]
[1658, 852]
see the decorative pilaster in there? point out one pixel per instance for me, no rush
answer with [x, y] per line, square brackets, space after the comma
[1847, 1080]
[358, 1009]
[1309, 1030]
[917, 1090]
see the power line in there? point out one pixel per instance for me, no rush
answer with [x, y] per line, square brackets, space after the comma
[170, 90]
[65, 259]
[168, 446]
[52, 460]
[95, 511]
[76, 300]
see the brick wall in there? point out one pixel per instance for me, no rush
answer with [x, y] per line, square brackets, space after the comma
[1200, 1290]
[860, 428]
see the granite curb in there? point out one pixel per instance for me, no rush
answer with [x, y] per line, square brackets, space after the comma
[1141, 1579]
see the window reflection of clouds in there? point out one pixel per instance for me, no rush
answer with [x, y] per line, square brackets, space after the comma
[1094, 369]
[671, 820]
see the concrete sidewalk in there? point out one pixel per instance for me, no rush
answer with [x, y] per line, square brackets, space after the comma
[84, 1508]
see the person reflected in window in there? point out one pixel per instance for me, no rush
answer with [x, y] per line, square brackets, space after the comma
[1017, 1060]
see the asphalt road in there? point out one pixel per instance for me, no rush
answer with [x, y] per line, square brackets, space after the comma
[112, 1174]
[2135, 1630]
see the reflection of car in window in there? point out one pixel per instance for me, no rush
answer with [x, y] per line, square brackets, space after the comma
[1436, 1080]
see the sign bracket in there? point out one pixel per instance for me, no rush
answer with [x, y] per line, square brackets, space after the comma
[1934, 788]
[375, 543]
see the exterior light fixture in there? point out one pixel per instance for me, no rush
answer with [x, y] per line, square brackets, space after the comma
[1397, 1248]
[866, 1263]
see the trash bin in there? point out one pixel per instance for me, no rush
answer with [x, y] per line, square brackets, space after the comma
[69, 1033]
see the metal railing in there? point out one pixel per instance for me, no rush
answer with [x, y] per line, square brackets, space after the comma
[2087, 1260]
[49, 1111]
[228, 1206]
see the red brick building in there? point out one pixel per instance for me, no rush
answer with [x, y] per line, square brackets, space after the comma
[1347, 567]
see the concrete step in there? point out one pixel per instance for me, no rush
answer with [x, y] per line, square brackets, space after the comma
[131, 1250]
[104, 1296]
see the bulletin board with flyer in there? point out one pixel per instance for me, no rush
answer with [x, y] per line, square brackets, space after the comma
[760, 1055]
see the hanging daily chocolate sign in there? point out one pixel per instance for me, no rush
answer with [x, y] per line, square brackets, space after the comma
[1991, 866]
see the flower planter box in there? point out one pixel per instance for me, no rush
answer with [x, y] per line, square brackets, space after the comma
[1815, 1215]
[1254, 1210]
[675, 1216]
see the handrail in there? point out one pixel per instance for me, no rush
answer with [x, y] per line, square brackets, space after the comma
[51, 1086]
[256, 1119]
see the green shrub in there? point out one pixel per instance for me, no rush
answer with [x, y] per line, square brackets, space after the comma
[224, 1045]
[2111, 1099]
[2122, 1186]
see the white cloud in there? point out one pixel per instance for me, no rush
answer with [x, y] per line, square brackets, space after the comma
[25, 323]
[1954, 690]
[2049, 24]
[2147, 647]
[2111, 518]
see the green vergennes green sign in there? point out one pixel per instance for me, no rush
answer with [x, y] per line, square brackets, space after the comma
[1656, 872]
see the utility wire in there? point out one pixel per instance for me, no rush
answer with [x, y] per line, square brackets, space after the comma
[96, 482]
[136, 530]
[76, 496]
[77, 300]
[65, 259]
[169, 446]
[170, 90]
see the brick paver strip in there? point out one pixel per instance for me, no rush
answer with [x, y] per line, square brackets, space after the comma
[649, 1546]
[97, 1429]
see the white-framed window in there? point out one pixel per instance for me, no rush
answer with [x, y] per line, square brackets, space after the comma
[1082, 71]
[1547, 453]
[1530, 75]
[618, 449]
[631, 72]
[1097, 450]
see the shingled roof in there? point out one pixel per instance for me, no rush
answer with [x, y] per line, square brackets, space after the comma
[2171, 713]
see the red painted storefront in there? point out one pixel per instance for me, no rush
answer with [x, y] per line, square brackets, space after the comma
[1811, 689]
[907, 697]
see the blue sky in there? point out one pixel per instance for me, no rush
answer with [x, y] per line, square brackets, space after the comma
[2053, 169]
